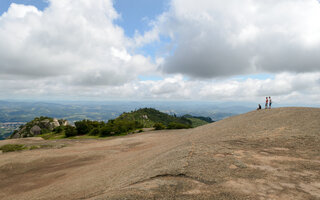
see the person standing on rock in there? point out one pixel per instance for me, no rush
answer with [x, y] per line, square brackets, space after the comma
[266, 106]
[270, 102]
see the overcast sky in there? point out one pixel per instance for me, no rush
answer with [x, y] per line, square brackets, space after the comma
[213, 50]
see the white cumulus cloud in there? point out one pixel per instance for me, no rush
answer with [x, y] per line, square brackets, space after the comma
[219, 38]
[77, 40]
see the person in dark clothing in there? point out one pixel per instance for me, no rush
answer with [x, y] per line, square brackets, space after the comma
[266, 106]
[259, 107]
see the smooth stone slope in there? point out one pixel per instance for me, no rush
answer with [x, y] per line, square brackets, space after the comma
[266, 154]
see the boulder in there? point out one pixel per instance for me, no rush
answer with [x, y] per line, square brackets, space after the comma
[35, 130]
[45, 121]
[55, 122]
[63, 122]
[53, 125]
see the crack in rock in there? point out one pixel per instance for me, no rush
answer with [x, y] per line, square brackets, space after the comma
[181, 175]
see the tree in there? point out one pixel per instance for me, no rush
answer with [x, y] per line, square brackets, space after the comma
[70, 131]
[106, 130]
[58, 129]
[95, 131]
[83, 127]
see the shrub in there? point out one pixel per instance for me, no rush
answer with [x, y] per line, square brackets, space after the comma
[45, 131]
[159, 126]
[95, 131]
[105, 131]
[70, 131]
[12, 147]
[176, 125]
[58, 129]
[83, 127]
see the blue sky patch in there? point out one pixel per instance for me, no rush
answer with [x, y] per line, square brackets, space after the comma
[5, 4]
[137, 14]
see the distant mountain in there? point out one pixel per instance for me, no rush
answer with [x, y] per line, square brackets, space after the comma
[14, 111]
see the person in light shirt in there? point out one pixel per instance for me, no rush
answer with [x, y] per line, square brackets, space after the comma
[270, 102]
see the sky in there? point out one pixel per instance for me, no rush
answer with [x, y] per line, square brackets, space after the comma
[238, 51]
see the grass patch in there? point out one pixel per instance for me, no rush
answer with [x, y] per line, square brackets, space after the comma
[84, 137]
[19, 147]
[12, 147]
[52, 136]
[46, 146]
[34, 147]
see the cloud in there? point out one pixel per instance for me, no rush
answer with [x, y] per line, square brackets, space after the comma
[76, 40]
[285, 88]
[224, 38]
[74, 50]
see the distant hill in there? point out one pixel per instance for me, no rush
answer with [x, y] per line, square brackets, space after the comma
[12, 111]
[150, 116]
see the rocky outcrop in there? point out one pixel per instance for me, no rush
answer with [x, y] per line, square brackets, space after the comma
[39, 125]
[55, 123]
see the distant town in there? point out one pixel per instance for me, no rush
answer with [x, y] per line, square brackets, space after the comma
[8, 127]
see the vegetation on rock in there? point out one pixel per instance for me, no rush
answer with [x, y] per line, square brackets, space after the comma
[19, 147]
[12, 147]
[149, 117]
[38, 126]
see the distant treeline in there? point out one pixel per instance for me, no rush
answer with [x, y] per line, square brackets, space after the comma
[96, 128]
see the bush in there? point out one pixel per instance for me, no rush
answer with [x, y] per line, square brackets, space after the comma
[83, 127]
[45, 131]
[70, 131]
[58, 129]
[176, 125]
[95, 131]
[12, 147]
[159, 126]
[105, 131]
